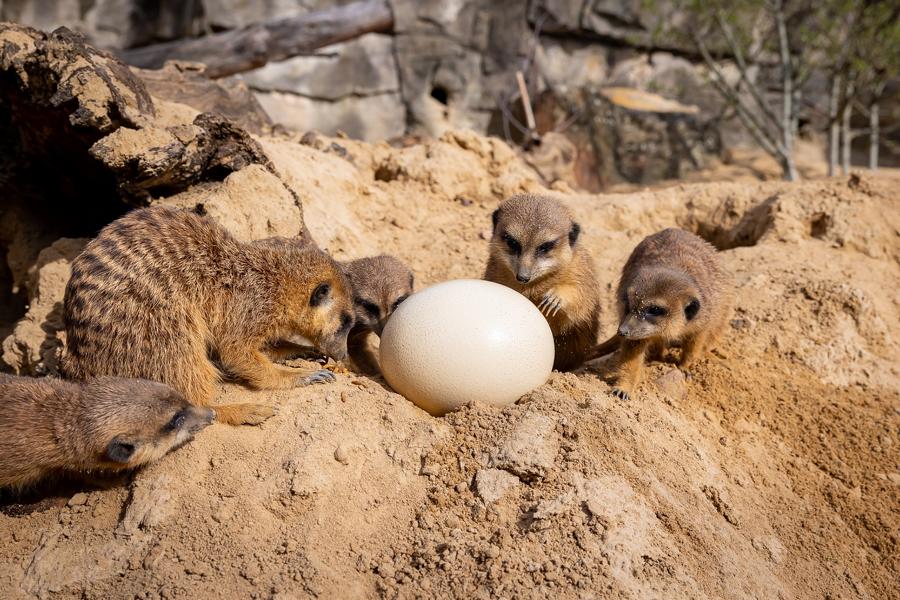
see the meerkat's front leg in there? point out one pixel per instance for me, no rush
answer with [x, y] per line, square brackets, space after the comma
[629, 365]
[362, 356]
[283, 351]
[258, 371]
[692, 347]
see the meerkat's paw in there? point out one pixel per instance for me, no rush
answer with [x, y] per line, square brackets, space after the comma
[323, 376]
[257, 413]
[620, 394]
[550, 304]
[245, 414]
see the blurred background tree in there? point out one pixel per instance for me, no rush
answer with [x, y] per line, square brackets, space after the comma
[856, 44]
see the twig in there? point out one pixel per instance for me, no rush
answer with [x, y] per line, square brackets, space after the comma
[526, 101]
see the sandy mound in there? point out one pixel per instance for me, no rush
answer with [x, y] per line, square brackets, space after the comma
[773, 474]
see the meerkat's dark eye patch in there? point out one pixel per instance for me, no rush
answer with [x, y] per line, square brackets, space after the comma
[655, 311]
[177, 421]
[690, 311]
[119, 451]
[368, 306]
[512, 243]
[546, 247]
[574, 233]
[320, 294]
[399, 301]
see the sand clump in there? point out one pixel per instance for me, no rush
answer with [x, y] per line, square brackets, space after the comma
[772, 474]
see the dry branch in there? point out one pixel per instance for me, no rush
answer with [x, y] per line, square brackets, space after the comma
[253, 46]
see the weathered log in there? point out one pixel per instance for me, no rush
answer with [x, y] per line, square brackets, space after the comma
[86, 123]
[187, 84]
[251, 47]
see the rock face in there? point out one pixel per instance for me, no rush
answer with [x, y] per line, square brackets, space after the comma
[452, 65]
[35, 344]
[112, 23]
[352, 87]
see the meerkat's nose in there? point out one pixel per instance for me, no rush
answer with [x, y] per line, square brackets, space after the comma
[523, 278]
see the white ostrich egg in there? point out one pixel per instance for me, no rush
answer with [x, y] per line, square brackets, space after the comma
[466, 340]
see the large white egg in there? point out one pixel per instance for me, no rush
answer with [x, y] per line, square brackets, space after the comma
[466, 340]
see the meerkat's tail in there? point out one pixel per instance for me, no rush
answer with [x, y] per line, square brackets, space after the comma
[607, 347]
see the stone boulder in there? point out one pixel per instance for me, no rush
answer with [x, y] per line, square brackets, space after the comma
[35, 345]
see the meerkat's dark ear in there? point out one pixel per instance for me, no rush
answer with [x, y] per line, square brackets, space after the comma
[495, 216]
[690, 311]
[119, 451]
[573, 233]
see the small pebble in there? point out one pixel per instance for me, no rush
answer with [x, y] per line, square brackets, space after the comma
[461, 487]
[340, 455]
[78, 499]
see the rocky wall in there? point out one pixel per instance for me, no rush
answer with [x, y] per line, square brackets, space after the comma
[447, 65]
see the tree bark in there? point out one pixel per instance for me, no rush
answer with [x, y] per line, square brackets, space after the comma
[875, 125]
[251, 47]
[834, 130]
[873, 136]
[787, 95]
[846, 132]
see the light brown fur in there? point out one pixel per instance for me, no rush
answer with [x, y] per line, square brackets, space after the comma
[681, 276]
[50, 426]
[380, 284]
[560, 280]
[160, 293]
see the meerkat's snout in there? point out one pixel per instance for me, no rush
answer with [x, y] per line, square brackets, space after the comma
[333, 301]
[189, 421]
[335, 345]
[523, 269]
[198, 418]
[637, 327]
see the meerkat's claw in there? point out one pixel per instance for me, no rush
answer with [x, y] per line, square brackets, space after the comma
[620, 394]
[688, 375]
[550, 304]
[322, 376]
[543, 304]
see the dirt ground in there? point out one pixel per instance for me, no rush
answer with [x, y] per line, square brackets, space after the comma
[774, 473]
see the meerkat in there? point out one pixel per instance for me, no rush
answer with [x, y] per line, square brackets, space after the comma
[673, 290]
[162, 293]
[50, 426]
[535, 250]
[380, 284]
